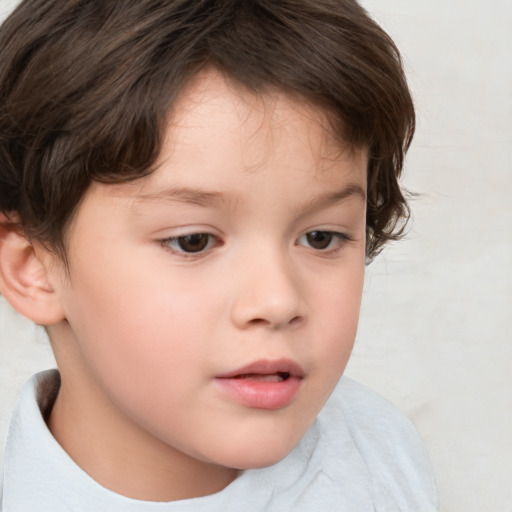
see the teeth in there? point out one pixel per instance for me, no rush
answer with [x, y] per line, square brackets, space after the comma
[275, 377]
[266, 378]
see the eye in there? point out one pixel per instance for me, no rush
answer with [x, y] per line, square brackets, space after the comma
[323, 240]
[191, 244]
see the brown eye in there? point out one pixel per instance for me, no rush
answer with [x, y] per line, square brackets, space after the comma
[193, 244]
[319, 239]
[196, 242]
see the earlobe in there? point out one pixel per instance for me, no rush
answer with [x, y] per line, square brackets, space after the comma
[24, 277]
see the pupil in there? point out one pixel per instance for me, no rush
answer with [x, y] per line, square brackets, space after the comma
[193, 243]
[319, 239]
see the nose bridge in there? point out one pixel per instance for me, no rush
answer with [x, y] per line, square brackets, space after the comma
[270, 292]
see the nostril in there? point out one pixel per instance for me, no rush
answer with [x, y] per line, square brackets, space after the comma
[295, 320]
[258, 321]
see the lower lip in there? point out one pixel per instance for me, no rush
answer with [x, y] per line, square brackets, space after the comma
[260, 394]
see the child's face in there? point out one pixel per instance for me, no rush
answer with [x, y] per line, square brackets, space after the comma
[212, 306]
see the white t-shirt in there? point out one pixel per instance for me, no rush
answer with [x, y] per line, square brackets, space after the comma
[361, 454]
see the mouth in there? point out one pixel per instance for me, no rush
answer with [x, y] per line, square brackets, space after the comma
[279, 370]
[273, 377]
[263, 384]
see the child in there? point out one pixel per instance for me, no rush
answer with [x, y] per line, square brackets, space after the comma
[189, 192]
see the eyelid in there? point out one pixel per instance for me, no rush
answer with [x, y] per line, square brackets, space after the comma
[167, 242]
[343, 239]
[340, 240]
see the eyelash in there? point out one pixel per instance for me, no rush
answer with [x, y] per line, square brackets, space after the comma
[173, 243]
[168, 243]
[334, 236]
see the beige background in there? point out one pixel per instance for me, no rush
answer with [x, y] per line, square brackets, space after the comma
[435, 335]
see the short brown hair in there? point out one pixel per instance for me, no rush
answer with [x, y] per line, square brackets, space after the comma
[86, 86]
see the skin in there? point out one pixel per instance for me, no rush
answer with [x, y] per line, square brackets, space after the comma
[147, 327]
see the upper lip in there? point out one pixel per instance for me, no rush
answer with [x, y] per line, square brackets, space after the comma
[267, 367]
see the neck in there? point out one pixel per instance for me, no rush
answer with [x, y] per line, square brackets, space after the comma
[123, 457]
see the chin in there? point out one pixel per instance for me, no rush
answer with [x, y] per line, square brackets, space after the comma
[257, 455]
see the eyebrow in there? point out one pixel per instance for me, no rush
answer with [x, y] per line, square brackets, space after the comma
[210, 199]
[338, 196]
[195, 196]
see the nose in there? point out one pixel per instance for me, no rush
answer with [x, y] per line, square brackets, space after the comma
[268, 294]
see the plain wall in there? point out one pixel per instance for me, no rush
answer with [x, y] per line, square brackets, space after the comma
[435, 325]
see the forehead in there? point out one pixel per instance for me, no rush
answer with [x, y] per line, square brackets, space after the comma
[227, 145]
[217, 122]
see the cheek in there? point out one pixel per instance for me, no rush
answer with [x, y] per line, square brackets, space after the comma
[336, 312]
[135, 326]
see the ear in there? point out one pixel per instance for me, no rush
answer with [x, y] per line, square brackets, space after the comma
[24, 277]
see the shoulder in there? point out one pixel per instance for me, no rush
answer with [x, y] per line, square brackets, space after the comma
[387, 443]
[370, 415]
